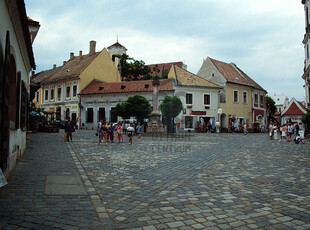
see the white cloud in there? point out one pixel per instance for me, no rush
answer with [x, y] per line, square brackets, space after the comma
[262, 37]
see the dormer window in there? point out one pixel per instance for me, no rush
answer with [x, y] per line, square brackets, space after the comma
[123, 86]
[146, 86]
[101, 87]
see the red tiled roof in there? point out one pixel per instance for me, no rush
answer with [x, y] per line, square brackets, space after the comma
[98, 87]
[235, 75]
[293, 109]
[163, 66]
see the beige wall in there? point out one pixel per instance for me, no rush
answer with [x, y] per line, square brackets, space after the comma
[240, 109]
[102, 68]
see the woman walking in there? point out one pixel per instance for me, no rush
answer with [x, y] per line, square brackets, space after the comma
[119, 134]
[103, 133]
[139, 130]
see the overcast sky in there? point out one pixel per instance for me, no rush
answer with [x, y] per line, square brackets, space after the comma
[262, 37]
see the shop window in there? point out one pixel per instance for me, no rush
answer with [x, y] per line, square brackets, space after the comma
[189, 98]
[189, 122]
[236, 96]
[90, 115]
[74, 90]
[206, 99]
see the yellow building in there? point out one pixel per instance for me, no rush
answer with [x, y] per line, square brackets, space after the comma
[242, 100]
[61, 85]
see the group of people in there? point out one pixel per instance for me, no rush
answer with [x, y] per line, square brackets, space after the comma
[106, 132]
[285, 132]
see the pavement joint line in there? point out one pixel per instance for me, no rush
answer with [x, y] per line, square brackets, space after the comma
[97, 203]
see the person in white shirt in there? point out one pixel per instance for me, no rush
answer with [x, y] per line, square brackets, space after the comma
[130, 131]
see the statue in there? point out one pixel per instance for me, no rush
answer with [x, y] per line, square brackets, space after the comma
[155, 125]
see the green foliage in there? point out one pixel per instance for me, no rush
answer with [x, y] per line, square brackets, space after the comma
[135, 106]
[131, 69]
[271, 106]
[171, 106]
[305, 118]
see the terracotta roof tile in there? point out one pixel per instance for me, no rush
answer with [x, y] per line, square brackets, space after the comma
[98, 87]
[235, 75]
[293, 110]
[184, 77]
[43, 75]
[164, 66]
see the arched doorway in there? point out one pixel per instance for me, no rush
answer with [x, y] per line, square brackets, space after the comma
[58, 113]
[224, 127]
[67, 113]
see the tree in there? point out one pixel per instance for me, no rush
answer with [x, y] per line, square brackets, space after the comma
[138, 106]
[131, 69]
[170, 107]
[271, 107]
[134, 106]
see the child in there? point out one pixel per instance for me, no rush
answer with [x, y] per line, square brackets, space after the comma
[103, 133]
[139, 130]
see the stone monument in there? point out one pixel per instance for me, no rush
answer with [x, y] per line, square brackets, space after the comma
[155, 125]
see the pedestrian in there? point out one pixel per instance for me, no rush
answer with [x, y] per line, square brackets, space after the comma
[271, 130]
[275, 135]
[290, 131]
[103, 133]
[298, 139]
[118, 130]
[69, 128]
[296, 129]
[130, 131]
[139, 130]
[111, 132]
[245, 129]
[282, 133]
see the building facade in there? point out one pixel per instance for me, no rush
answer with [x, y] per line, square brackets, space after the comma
[17, 61]
[242, 100]
[293, 113]
[306, 42]
[200, 99]
[99, 99]
[61, 85]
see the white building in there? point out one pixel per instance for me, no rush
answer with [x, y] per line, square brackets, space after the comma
[281, 102]
[200, 99]
[306, 42]
[99, 99]
[17, 61]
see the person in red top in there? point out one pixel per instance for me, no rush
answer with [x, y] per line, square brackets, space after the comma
[118, 130]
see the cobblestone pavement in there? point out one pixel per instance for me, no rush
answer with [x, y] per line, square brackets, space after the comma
[201, 181]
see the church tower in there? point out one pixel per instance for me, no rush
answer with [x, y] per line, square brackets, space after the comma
[116, 48]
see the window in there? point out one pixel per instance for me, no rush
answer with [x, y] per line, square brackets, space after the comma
[206, 99]
[68, 91]
[46, 94]
[59, 94]
[255, 98]
[261, 99]
[188, 122]
[189, 98]
[245, 97]
[236, 96]
[90, 115]
[74, 90]
[37, 96]
[52, 94]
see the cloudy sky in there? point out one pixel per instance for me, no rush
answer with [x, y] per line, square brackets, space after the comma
[262, 37]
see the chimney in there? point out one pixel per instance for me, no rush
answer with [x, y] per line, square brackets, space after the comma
[80, 53]
[54, 66]
[71, 55]
[92, 47]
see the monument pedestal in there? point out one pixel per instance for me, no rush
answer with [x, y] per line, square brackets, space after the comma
[155, 125]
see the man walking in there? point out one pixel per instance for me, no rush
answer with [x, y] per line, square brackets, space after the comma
[69, 128]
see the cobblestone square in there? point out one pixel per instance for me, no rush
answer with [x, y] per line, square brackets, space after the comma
[196, 181]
